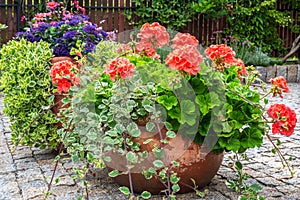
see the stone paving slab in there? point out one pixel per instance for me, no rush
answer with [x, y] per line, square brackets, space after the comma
[25, 174]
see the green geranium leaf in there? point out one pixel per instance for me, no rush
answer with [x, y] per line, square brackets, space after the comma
[226, 127]
[201, 101]
[188, 112]
[187, 106]
[167, 101]
[234, 144]
[175, 114]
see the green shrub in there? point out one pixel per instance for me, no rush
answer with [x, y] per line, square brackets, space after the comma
[252, 56]
[26, 84]
[173, 13]
[254, 20]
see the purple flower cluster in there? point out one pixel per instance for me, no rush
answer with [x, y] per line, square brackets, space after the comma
[63, 35]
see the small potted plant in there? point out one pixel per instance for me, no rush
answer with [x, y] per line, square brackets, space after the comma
[156, 109]
[35, 82]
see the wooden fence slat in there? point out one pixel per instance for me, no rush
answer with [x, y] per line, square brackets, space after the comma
[3, 15]
[127, 26]
[116, 16]
[10, 20]
[110, 16]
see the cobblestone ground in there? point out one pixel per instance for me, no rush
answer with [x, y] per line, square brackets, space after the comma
[25, 174]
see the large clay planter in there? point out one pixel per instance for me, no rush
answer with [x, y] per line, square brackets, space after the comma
[194, 162]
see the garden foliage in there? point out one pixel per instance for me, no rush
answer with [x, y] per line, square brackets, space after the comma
[26, 84]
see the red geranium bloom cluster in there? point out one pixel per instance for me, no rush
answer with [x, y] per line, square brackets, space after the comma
[223, 56]
[284, 117]
[279, 85]
[152, 36]
[220, 52]
[121, 67]
[239, 63]
[63, 74]
[182, 39]
[146, 49]
[186, 58]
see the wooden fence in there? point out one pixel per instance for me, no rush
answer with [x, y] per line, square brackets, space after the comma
[110, 15]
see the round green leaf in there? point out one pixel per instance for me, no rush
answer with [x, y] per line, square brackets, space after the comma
[146, 195]
[158, 163]
[113, 173]
[124, 190]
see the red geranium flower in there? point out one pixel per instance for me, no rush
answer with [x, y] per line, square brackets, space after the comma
[239, 63]
[284, 117]
[279, 85]
[186, 58]
[182, 39]
[220, 52]
[145, 48]
[121, 67]
[154, 34]
[63, 74]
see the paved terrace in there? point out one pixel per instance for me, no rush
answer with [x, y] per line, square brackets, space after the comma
[24, 175]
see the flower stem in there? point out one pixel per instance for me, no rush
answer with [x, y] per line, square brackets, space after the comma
[282, 158]
[266, 95]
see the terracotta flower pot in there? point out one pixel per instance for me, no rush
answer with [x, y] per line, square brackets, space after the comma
[62, 58]
[58, 104]
[194, 162]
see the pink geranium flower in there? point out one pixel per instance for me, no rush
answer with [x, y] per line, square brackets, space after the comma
[52, 5]
[40, 16]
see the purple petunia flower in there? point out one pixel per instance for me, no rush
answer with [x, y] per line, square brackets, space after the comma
[28, 36]
[61, 50]
[20, 34]
[42, 27]
[89, 47]
[81, 17]
[90, 28]
[73, 22]
[58, 24]
[103, 33]
[70, 34]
